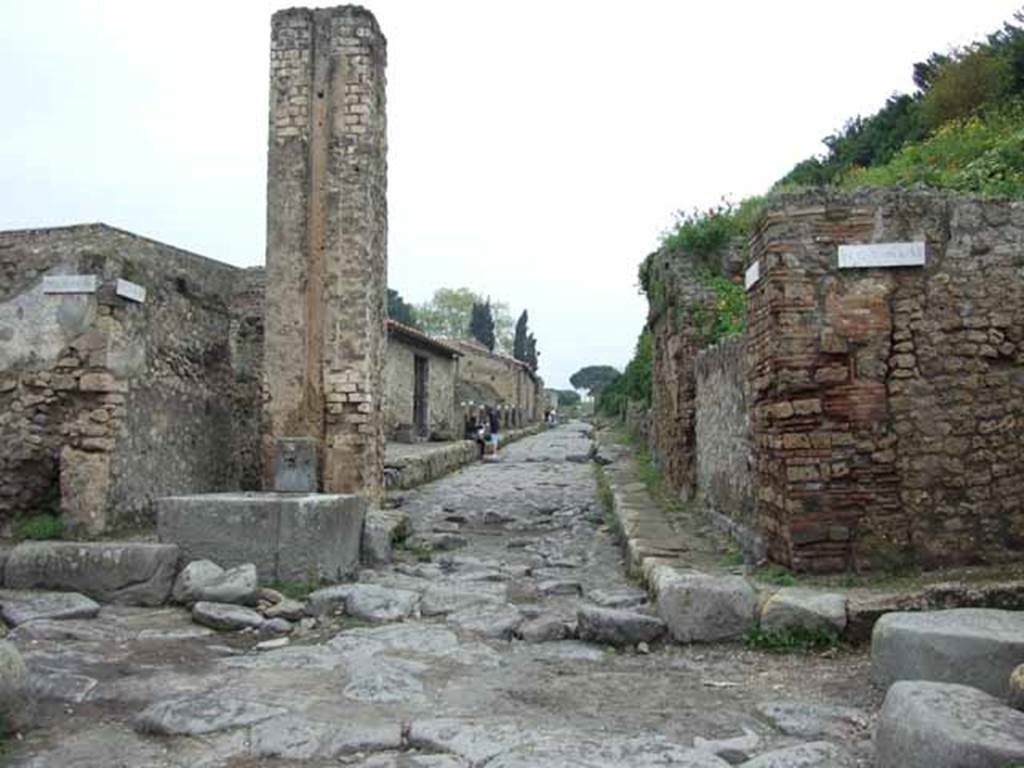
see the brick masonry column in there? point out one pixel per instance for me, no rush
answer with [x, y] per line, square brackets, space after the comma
[327, 243]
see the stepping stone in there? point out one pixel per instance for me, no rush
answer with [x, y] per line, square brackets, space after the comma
[699, 607]
[973, 646]
[944, 725]
[128, 573]
[806, 720]
[21, 607]
[617, 627]
[815, 754]
[225, 616]
[797, 608]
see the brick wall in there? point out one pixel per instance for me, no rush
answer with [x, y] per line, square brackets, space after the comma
[888, 403]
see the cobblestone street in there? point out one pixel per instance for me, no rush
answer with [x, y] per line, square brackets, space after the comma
[464, 652]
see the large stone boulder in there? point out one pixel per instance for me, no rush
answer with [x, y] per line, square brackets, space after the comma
[804, 610]
[617, 627]
[203, 580]
[945, 725]
[128, 573]
[979, 647]
[700, 607]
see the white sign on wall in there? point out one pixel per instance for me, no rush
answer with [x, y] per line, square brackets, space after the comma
[70, 283]
[131, 291]
[752, 275]
[882, 255]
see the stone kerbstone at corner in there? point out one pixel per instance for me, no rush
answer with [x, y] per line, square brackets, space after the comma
[797, 608]
[979, 647]
[128, 573]
[701, 607]
[287, 536]
[943, 725]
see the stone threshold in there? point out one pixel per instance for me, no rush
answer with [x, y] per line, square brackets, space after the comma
[653, 543]
[427, 462]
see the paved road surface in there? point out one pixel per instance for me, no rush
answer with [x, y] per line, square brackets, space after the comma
[444, 686]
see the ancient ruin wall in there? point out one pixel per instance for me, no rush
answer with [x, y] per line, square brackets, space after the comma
[724, 456]
[400, 378]
[680, 301]
[888, 403]
[326, 242]
[106, 403]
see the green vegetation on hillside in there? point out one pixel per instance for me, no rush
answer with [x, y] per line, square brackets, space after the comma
[962, 129]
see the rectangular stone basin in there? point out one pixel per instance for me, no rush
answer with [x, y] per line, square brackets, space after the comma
[288, 536]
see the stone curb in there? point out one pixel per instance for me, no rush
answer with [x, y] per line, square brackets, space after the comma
[650, 543]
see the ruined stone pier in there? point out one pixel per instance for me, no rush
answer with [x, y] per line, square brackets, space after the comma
[327, 244]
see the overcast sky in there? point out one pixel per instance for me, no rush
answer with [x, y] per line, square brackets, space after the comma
[537, 149]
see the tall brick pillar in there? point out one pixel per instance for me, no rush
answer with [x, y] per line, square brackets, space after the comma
[327, 243]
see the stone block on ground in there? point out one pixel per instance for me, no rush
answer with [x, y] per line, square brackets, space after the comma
[979, 647]
[226, 616]
[808, 610]
[618, 627]
[18, 608]
[128, 573]
[203, 580]
[700, 607]
[543, 629]
[15, 700]
[945, 725]
[377, 604]
[288, 537]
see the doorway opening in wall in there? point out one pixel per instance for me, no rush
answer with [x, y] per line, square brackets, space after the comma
[419, 397]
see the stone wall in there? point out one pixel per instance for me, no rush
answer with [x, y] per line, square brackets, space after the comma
[107, 403]
[679, 299]
[399, 383]
[511, 383]
[724, 459]
[888, 403]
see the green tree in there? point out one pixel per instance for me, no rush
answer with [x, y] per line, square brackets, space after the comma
[567, 397]
[399, 310]
[519, 341]
[635, 383]
[481, 324]
[594, 378]
[448, 314]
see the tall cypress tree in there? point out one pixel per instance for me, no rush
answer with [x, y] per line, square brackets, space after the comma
[481, 324]
[519, 348]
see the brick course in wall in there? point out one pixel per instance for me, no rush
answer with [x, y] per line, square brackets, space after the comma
[888, 403]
